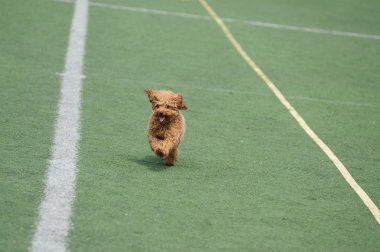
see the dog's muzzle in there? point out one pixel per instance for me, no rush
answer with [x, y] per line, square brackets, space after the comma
[161, 117]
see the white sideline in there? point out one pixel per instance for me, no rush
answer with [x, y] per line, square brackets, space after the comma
[339, 165]
[233, 20]
[55, 209]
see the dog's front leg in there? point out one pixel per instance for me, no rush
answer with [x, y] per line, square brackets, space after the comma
[158, 146]
[172, 157]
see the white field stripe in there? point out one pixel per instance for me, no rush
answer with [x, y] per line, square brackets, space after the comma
[233, 20]
[227, 90]
[335, 102]
[302, 29]
[55, 210]
[339, 165]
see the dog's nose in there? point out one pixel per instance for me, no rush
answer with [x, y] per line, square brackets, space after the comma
[161, 114]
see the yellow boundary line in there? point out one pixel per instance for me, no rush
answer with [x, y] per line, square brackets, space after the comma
[339, 165]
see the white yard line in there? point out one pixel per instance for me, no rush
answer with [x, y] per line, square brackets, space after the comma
[233, 20]
[339, 165]
[55, 210]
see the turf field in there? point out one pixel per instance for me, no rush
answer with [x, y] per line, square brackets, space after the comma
[249, 178]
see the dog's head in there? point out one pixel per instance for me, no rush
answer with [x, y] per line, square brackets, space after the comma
[165, 104]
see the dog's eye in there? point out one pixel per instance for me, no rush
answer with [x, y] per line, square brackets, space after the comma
[155, 105]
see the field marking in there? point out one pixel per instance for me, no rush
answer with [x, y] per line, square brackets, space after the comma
[334, 102]
[339, 165]
[233, 20]
[228, 90]
[55, 210]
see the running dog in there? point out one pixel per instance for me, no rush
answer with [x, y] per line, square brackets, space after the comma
[166, 127]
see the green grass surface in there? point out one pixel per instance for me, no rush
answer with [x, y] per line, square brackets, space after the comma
[341, 73]
[342, 15]
[248, 177]
[32, 47]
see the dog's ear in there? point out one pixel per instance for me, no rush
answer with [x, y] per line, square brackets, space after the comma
[150, 94]
[180, 104]
[183, 106]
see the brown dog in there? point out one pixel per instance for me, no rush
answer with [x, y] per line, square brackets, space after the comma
[166, 126]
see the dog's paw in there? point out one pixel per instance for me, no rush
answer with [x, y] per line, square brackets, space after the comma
[160, 153]
[169, 162]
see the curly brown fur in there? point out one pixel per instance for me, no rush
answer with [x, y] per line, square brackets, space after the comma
[166, 127]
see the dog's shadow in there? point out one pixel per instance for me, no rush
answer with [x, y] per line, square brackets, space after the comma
[153, 163]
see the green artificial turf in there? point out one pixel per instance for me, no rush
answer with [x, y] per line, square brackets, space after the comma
[341, 15]
[33, 41]
[248, 178]
[333, 83]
